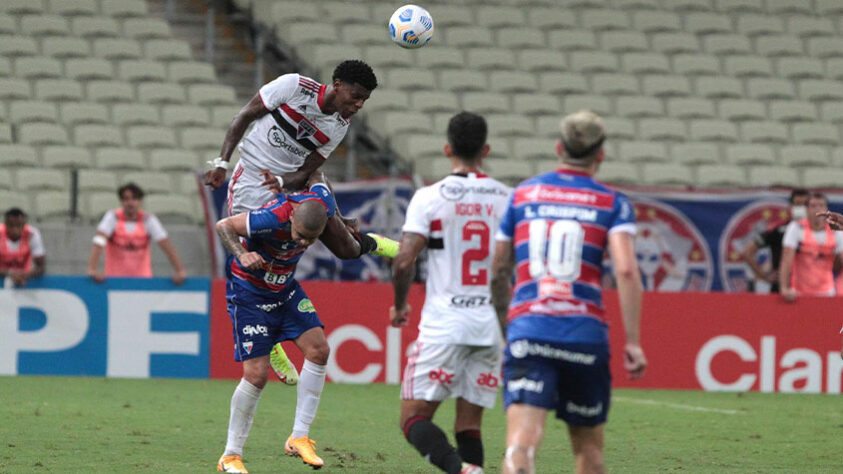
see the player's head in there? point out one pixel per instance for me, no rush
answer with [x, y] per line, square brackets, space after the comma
[354, 82]
[131, 198]
[467, 137]
[817, 202]
[581, 139]
[307, 222]
[799, 203]
[14, 220]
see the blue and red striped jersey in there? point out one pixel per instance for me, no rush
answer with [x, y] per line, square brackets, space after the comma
[270, 236]
[559, 224]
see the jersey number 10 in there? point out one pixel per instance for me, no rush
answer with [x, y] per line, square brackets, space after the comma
[560, 254]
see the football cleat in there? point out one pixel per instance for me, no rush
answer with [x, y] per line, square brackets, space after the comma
[305, 448]
[386, 246]
[471, 469]
[281, 365]
[233, 463]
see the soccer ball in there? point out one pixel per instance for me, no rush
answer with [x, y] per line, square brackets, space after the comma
[411, 27]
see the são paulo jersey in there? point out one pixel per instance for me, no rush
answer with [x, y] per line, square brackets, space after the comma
[559, 224]
[458, 215]
[270, 236]
[294, 127]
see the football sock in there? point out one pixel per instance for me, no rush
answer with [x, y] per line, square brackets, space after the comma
[311, 381]
[432, 444]
[470, 446]
[244, 402]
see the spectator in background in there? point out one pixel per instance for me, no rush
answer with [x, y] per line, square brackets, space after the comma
[21, 248]
[125, 233]
[810, 247]
[772, 239]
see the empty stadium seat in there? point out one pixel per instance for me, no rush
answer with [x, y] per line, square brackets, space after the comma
[124, 8]
[32, 111]
[211, 94]
[773, 176]
[222, 115]
[747, 66]
[823, 47]
[468, 36]
[486, 102]
[720, 176]
[173, 209]
[617, 128]
[770, 88]
[550, 18]
[661, 129]
[666, 174]
[696, 64]
[818, 89]
[497, 17]
[184, 115]
[41, 134]
[86, 69]
[394, 123]
[723, 44]
[13, 88]
[719, 87]
[135, 114]
[5, 133]
[572, 40]
[12, 46]
[18, 155]
[656, 21]
[84, 112]
[510, 125]
[832, 7]
[713, 130]
[750, 154]
[118, 158]
[639, 106]
[109, 91]
[645, 63]
[201, 139]
[666, 86]
[146, 28]
[742, 109]
[695, 153]
[434, 101]
[640, 151]
[764, 132]
[63, 47]
[816, 133]
[793, 111]
[534, 148]
[150, 136]
[518, 38]
[151, 182]
[804, 155]
[38, 179]
[411, 78]
[598, 104]
[44, 25]
[387, 56]
[593, 61]
[94, 26]
[168, 50]
[386, 99]
[433, 57]
[675, 43]
[690, 5]
[421, 147]
[460, 81]
[832, 112]
[615, 84]
[6, 181]
[367, 34]
[135, 70]
[623, 41]
[802, 68]
[173, 160]
[690, 108]
[37, 67]
[161, 93]
[487, 58]
[779, 45]
[563, 83]
[117, 48]
[52, 206]
[66, 157]
[512, 81]
[822, 178]
[756, 25]
[619, 172]
[97, 180]
[97, 135]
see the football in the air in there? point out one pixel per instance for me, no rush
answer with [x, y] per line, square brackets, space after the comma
[411, 27]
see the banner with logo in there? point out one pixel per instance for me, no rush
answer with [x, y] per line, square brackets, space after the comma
[701, 341]
[125, 327]
[693, 241]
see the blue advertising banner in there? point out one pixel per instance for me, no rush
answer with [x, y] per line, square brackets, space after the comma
[693, 241]
[125, 327]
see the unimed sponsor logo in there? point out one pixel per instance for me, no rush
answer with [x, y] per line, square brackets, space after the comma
[523, 348]
[802, 367]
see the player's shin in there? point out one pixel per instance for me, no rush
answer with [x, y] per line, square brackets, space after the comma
[470, 446]
[244, 402]
[311, 382]
[432, 444]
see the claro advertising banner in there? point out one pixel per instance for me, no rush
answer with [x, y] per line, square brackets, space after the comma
[150, 328]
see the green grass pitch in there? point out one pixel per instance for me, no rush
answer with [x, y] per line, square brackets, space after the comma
[68, 424]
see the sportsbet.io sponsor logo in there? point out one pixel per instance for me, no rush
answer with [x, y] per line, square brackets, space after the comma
[277, 138]
[454, 191]
[306, 306]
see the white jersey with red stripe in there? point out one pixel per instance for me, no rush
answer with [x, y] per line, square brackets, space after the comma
[458, 215]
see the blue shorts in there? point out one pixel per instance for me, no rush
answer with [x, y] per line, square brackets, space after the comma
[571, 378]
[259, 321]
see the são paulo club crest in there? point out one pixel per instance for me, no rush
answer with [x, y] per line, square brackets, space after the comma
[754, 218]
[672, 254]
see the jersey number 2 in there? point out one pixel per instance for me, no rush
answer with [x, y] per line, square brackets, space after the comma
[563, 256]
[471, 229]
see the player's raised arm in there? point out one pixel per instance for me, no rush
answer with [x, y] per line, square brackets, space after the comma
[502, 266]
[248, 114]
[230, 230]
[630, 291]
[403, 270]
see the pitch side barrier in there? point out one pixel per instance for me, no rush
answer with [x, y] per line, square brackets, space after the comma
[150, 328]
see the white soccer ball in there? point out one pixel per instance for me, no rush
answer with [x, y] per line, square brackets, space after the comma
[411, 27]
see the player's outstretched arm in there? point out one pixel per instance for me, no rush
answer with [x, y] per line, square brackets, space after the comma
[230, 230]
[502, 266]
[785, 268]
[630, 293]
[403, 270]
[834, 220]
[299, 179]
[248, 114]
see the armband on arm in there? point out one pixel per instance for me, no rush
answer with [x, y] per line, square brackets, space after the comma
[100, 240]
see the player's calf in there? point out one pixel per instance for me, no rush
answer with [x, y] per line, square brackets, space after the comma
[432, 443]
[470, 446]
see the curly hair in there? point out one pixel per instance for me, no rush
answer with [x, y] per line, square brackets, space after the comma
[354, 71]
[133, 188]
[467, 134]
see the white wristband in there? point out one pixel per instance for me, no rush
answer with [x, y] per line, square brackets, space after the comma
[100, 241]
[280, 182]
[219, 163]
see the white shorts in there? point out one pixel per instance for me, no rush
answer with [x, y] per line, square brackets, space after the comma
[435, 372]
[245, 192]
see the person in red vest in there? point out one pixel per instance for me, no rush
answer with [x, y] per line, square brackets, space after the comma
[21, 248]
[810, 247]
[126, 234]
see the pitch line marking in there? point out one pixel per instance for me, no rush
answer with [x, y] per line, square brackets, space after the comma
[678, 406]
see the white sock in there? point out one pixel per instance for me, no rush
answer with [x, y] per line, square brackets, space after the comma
[244, 403]
[311, 381]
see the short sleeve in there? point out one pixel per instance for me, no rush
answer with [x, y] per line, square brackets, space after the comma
[279, 91]
[417, 219]
[108, 223]
[36, 244]
[154, 228]
[792, 235]
[623, 216]
[506, 231]
[262, 221]
[838, 242]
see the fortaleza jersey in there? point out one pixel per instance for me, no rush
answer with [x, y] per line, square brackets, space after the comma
[559, 224]
[270, 236]
[458, 215]
[294, 127]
